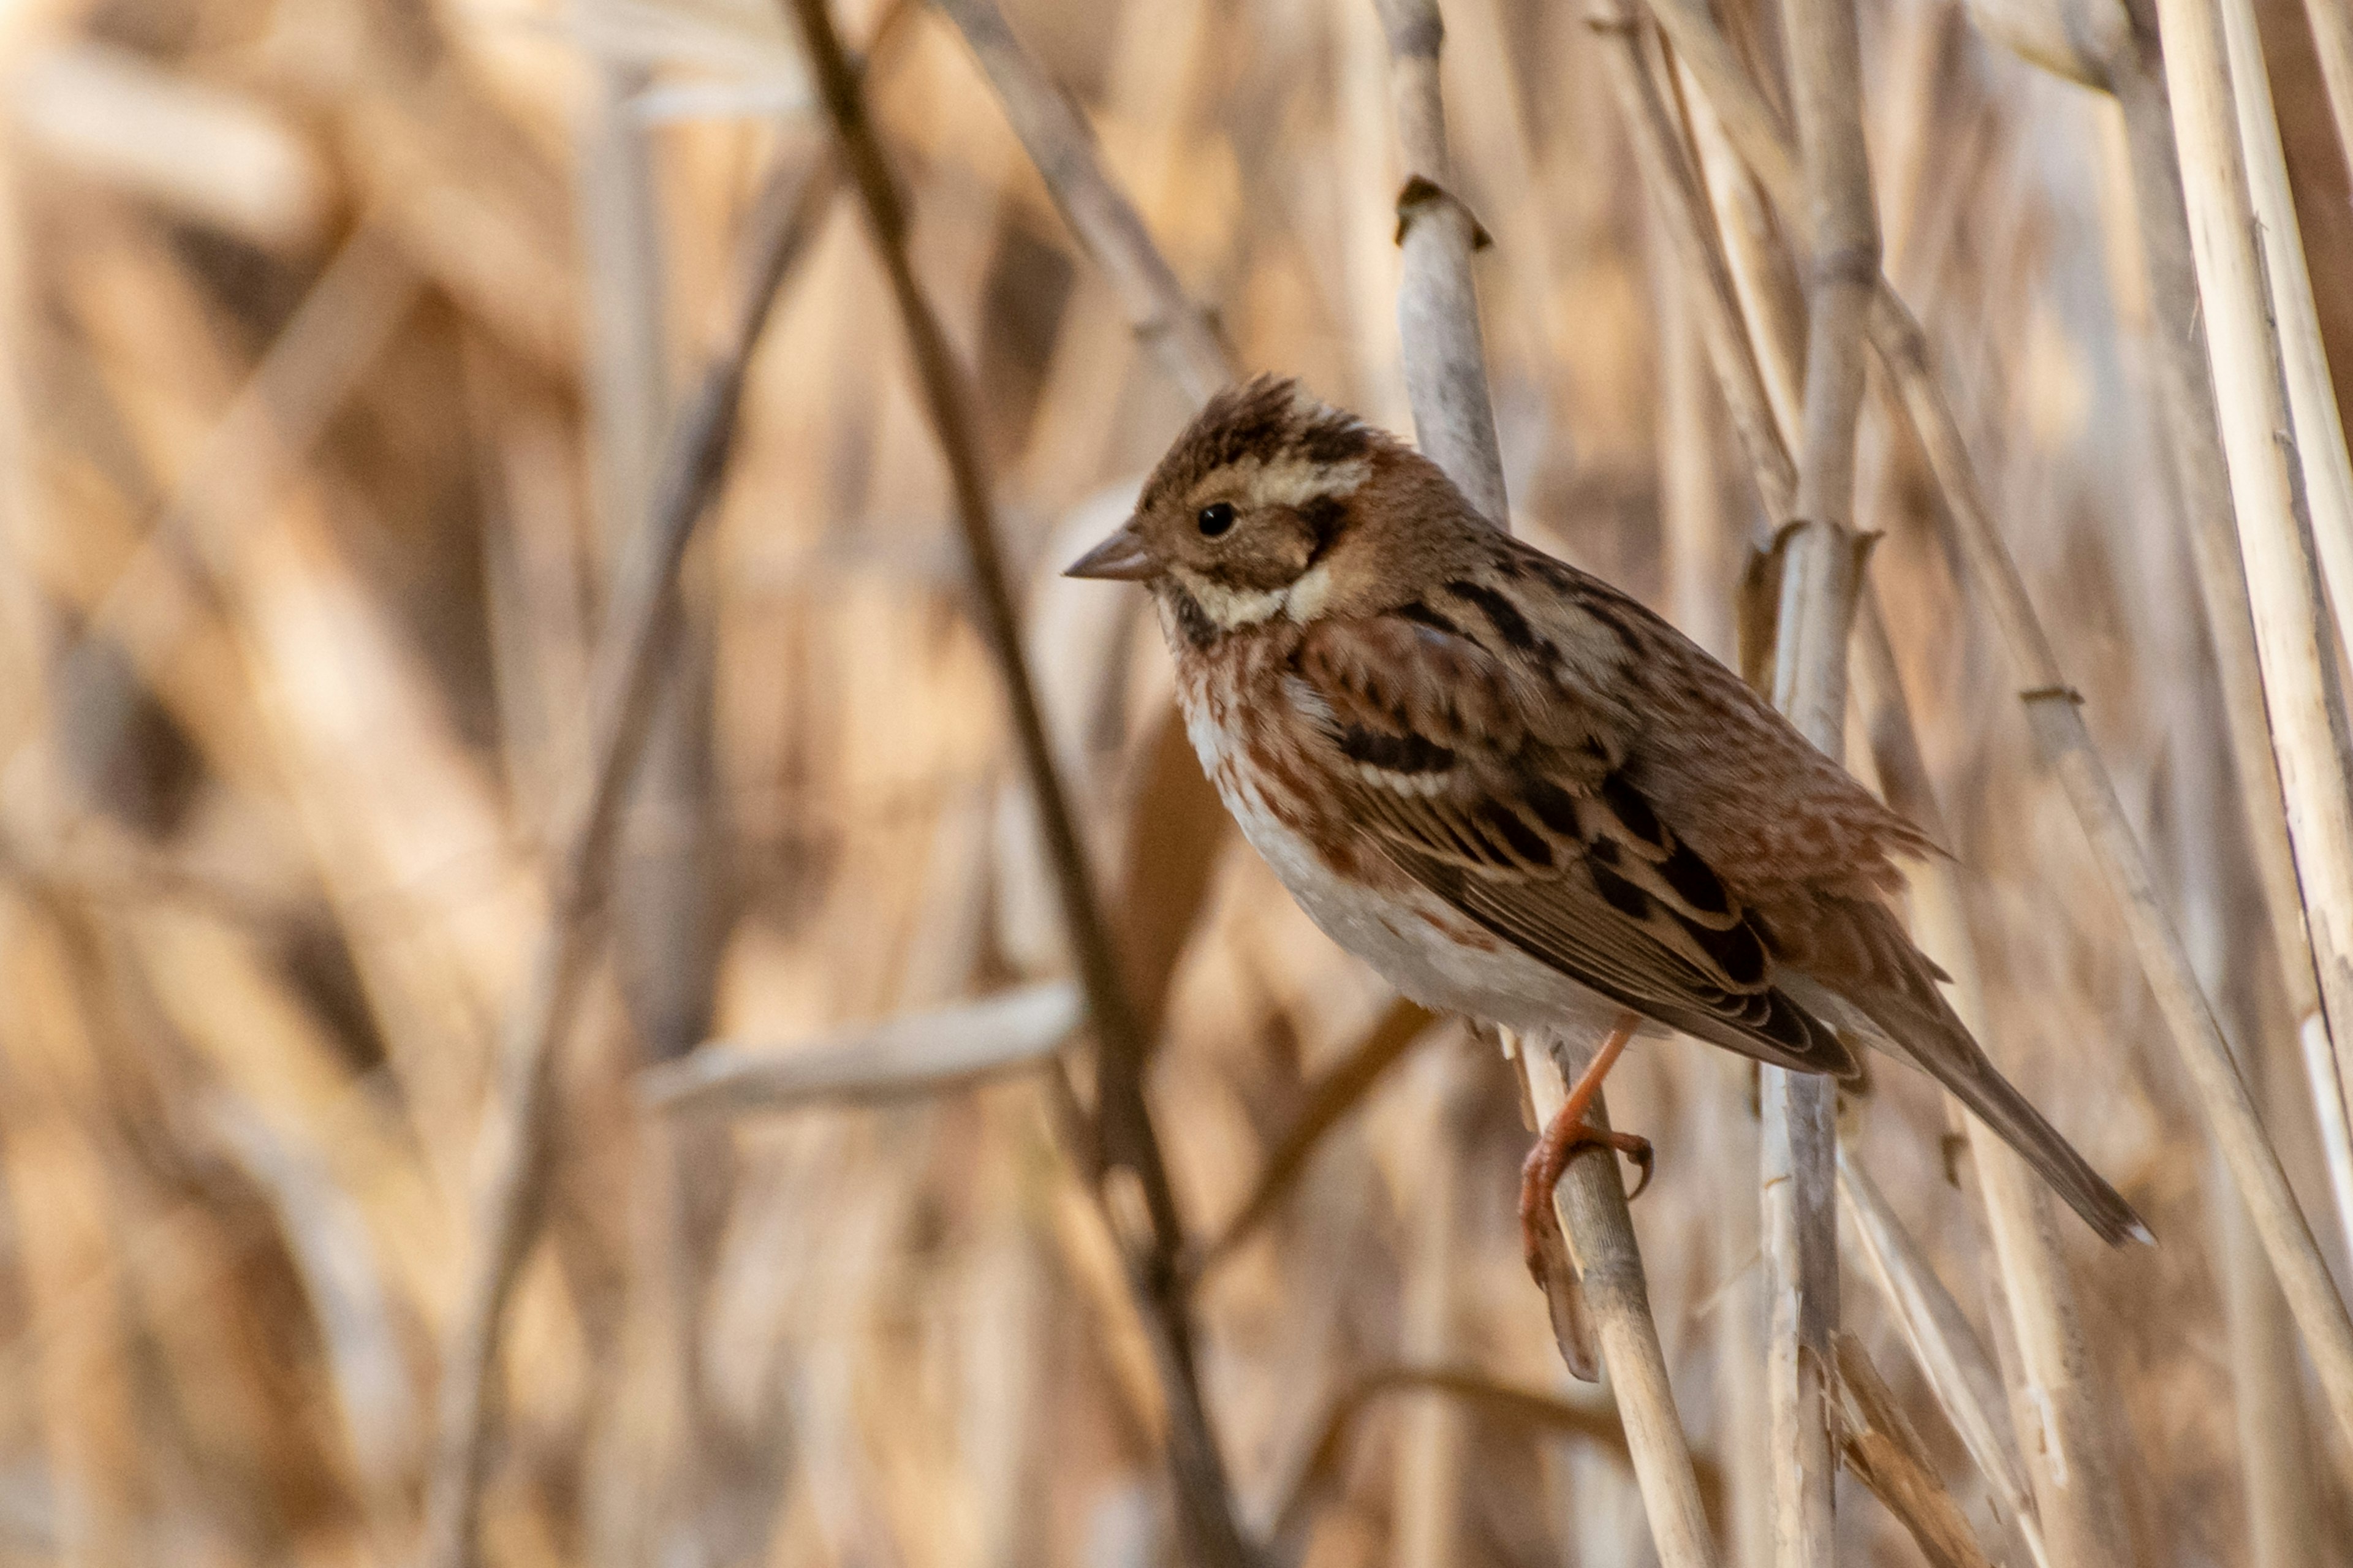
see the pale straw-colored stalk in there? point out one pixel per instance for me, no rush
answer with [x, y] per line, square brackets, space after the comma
[1822, 576]
[2254, 379]
[2319, 444]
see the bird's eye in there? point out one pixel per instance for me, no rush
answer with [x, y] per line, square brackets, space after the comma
[1215, 518]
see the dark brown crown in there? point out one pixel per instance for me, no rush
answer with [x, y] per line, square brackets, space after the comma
[1269, 418]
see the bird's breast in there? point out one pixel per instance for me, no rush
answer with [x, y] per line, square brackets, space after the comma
[1255, 748]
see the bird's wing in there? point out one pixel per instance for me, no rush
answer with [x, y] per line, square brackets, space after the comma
[1502, 793]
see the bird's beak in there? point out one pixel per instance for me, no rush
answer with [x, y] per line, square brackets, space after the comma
[1124, 557]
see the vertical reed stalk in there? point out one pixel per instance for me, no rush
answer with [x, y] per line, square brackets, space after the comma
[1437, 306]
[1821, 580]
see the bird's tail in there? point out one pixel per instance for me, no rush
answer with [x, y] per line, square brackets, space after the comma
[1905, 1014]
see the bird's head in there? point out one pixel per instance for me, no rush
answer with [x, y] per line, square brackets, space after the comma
[1272, 503]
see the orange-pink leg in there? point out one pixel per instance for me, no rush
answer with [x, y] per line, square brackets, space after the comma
[1566, 1134]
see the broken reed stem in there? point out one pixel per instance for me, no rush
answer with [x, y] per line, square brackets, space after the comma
[1128, 1142]
[1886, 1456]
[2064, 741]
[509, 1158]
[1446, 382]
[1820, 579]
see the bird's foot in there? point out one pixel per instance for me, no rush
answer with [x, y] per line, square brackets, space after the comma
[1560, 1143]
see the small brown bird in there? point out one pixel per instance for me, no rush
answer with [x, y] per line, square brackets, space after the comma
[1518, 793]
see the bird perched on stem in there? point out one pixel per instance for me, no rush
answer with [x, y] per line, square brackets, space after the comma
[1518, 793]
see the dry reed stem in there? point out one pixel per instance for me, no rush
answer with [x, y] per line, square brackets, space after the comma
[1437, 306]
[1591, 1204]
[2063, 740]
[509, 1159]
[907, 1057]
[1059, 143]
[1446, 382]
[1128, 1142]
[2266, 1396]
[1426, 1481]
[2319, 440]
[1822, 576]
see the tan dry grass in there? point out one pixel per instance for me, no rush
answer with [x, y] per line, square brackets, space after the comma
[307, 460]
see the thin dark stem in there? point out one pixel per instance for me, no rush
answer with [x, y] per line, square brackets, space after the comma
[1129, 1147]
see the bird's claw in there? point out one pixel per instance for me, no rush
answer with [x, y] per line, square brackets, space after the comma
[1547, 1163]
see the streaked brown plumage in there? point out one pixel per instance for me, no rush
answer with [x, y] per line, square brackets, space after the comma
[1513, 789]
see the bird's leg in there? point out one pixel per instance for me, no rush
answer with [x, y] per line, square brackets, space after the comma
[1567, 1133]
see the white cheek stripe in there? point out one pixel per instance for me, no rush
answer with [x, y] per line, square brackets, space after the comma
[1233, 608]
[1307, 596]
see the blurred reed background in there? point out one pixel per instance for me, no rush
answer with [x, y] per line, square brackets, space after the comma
[357, 357]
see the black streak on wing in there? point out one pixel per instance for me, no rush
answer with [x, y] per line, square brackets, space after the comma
[1407, 753]
[1424, 614]
[1501, 613]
